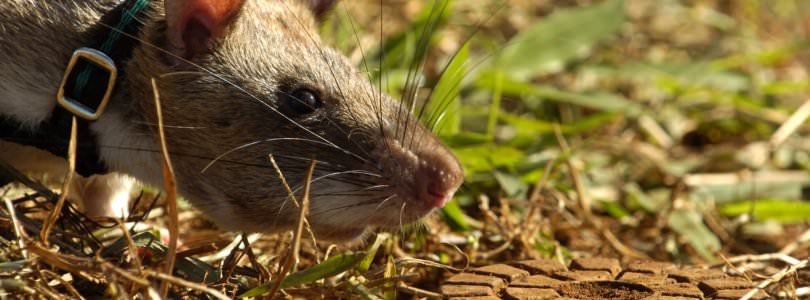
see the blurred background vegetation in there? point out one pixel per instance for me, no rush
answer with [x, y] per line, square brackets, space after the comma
[634, 128]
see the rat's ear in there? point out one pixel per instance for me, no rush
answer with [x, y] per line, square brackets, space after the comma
[194, 24]
[320, 7]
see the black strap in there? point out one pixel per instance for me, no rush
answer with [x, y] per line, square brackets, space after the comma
[87, 84]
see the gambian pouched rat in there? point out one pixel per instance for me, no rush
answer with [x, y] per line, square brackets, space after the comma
[238, 80]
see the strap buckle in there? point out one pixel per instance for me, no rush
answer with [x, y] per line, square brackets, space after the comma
[76, 106]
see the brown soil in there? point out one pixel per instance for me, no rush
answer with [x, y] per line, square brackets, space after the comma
[595, 278]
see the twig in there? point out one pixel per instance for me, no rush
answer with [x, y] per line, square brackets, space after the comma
[417, 291]
[788, 127]
[584, 199]
[536, 199]
[585, 202]
[169, 184]
[761, 257]
[293, 257]
[20, 234]
[775, 278]
[187, 284]
[264, 275]
[651, 127]
[69, 287]
[71, 157]
[792, 246]
[290, 193]
[136, 260]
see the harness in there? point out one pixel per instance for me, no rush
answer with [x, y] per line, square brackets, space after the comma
[87, 85]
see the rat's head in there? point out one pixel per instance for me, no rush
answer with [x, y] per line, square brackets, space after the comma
[252, 80]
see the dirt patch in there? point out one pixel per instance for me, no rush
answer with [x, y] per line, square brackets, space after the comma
[604, 290]
[595, 278]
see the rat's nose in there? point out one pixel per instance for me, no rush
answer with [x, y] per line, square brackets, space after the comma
[438, 177]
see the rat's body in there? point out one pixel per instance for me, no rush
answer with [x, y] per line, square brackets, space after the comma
[232, 84]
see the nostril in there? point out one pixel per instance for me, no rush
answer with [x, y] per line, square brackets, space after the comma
[436, 194]
[436, 189]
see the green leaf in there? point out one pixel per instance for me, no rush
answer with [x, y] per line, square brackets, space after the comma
[331, 267]
[689, 224]
[454, 216]
[598, 101]
[562, 37]
[443, 109]
[486, 157]
[409, 47]
[614, 209]
[365, 264]
[189, 268]
[780, 210]
[512, 185]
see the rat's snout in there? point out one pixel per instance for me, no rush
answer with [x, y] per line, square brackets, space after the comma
[437, 177]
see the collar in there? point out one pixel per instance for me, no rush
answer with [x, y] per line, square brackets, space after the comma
[88, 84]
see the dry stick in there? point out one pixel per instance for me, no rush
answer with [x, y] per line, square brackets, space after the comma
[794, 245]
[417, 291]
[763, 257]
[187, 284]
[43, 283]
[775, 278]
[535, 198]
[133, 253]
[290, 193]
[733, 267]
[585, 201]
[264, 275]
[68, 286]
[136, 260]
[796, 119]
[171, 193]
[46, 228]
[165, 278]
[293, 256]
[21, 236]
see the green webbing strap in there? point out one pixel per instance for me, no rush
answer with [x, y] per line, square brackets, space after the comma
[113, 35]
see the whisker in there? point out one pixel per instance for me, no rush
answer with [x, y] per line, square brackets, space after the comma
[167, 126]
[446, 102]
[259, 142]
[322, 53]
[386, 200]
[230, 83]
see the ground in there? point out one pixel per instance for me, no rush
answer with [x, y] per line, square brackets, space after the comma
[596, 137]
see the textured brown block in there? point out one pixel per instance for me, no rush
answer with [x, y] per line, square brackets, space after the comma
[476, 279]
[540, 281]
[645, 278]
[694, 274]
[609, 265]
[679, 290]
[453, 290]
[540, 266]
[521, 293]
[712, 286]
[583, 275]
[652, 267]
[506, 272]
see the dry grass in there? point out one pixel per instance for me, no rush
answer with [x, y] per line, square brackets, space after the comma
[615, 189]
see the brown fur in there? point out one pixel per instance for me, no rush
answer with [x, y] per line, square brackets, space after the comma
[373, 158]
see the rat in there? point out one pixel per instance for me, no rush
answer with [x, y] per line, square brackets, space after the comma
[239, 80]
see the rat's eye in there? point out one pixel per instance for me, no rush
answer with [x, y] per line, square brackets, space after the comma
[303, 101]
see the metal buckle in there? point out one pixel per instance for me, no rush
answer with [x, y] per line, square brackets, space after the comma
[99, 59]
